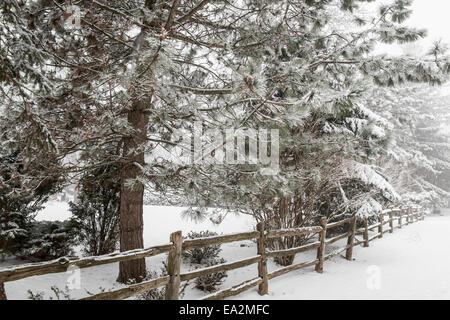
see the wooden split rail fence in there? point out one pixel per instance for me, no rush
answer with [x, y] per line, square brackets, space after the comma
[178, 245]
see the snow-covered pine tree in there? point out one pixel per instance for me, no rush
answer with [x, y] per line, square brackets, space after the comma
[329, 140]
[28, 167]
[121, 76]
[24, 187]
[95, 212]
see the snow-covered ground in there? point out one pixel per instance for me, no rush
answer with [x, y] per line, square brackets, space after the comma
[412, 263]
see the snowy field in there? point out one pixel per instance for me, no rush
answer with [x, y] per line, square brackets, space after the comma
[412, 263]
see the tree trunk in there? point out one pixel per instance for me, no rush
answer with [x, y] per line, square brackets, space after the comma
[2, 292]
[132, 197]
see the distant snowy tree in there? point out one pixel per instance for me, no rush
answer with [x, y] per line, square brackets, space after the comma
[2, 292]
[132, 73]
[329, 141]
[418, 160]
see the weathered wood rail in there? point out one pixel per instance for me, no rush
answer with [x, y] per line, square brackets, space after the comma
[178, 245]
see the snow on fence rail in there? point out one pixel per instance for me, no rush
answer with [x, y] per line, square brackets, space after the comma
[177, 245]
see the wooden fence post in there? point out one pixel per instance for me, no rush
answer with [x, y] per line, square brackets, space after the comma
[366, 233]
[380, 227]
[262, 264]
[2, 292]
[351, 238]
[321, 249]
[391, 222]
[174, 266]
[400, 218]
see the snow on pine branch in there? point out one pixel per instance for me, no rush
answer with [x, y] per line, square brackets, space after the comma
[369, 208]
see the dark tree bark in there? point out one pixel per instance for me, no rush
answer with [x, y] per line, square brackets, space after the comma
[2, 292]
[132, 198]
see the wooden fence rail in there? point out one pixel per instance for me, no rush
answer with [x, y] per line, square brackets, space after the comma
[178, 245]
